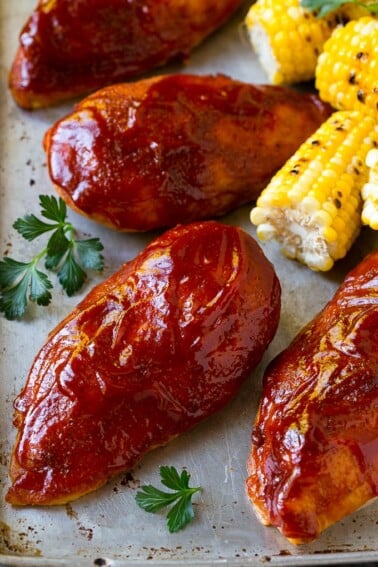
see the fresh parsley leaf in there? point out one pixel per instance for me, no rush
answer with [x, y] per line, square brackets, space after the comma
[180, 514]
[171, 478]
[89, 253]
[53, 209]
[324, 7]
[13, 301]
[153, 499]
[17, 278]
[11, 270]
[57, 247]
[69, 256]
[30, 227]
[39, 287]
[71, 275]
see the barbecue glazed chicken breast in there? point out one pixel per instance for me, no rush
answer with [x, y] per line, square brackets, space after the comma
[314, 455]
[70, 47]
[176, 148]
[162, 344]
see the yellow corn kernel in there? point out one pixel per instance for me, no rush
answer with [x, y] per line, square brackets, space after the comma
[322, 182]
[369, 192]
[346, 74]
[288, 39]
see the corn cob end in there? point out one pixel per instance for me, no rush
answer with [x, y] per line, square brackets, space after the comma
[286, 38]
[312, 206]
[370, 192]
[299, 235]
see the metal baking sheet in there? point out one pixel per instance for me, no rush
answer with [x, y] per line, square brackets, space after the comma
[106, 527]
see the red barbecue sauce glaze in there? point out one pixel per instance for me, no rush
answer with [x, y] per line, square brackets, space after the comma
[70, 48]
[162, 344]
[176, 149]
[314, 456]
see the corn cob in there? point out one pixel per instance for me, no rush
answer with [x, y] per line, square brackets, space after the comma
[370, 192]
[288, 39]
[346, 75]
[312, 206]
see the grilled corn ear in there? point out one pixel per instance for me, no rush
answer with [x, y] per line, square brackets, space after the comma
[312, 206]
[346, 74]
[288, 39]
[370, 191]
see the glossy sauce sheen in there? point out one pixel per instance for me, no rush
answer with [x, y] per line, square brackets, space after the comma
[161, 345]
[314, 456]
[68, 48]
[175, 149]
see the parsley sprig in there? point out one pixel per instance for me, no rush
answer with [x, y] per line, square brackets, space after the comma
[153, 499]
[64, 253]
[324, 7]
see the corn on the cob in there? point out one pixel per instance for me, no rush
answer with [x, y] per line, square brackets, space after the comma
[288, 39]
[312, 206]
[346, 74]
[369, 192]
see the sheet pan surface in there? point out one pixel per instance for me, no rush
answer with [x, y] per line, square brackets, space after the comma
[107, 528]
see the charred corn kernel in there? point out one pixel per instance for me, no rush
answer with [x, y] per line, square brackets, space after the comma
[370, 191]
[346, 74]
[288, 39]
[323, 182]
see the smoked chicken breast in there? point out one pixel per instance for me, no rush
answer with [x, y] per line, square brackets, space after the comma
[162, 344]
[314, 455]
[70, 47]
[176, 148]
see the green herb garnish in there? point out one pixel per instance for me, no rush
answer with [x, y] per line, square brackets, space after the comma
[324, 7]
[153, 499]
[22, 281]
